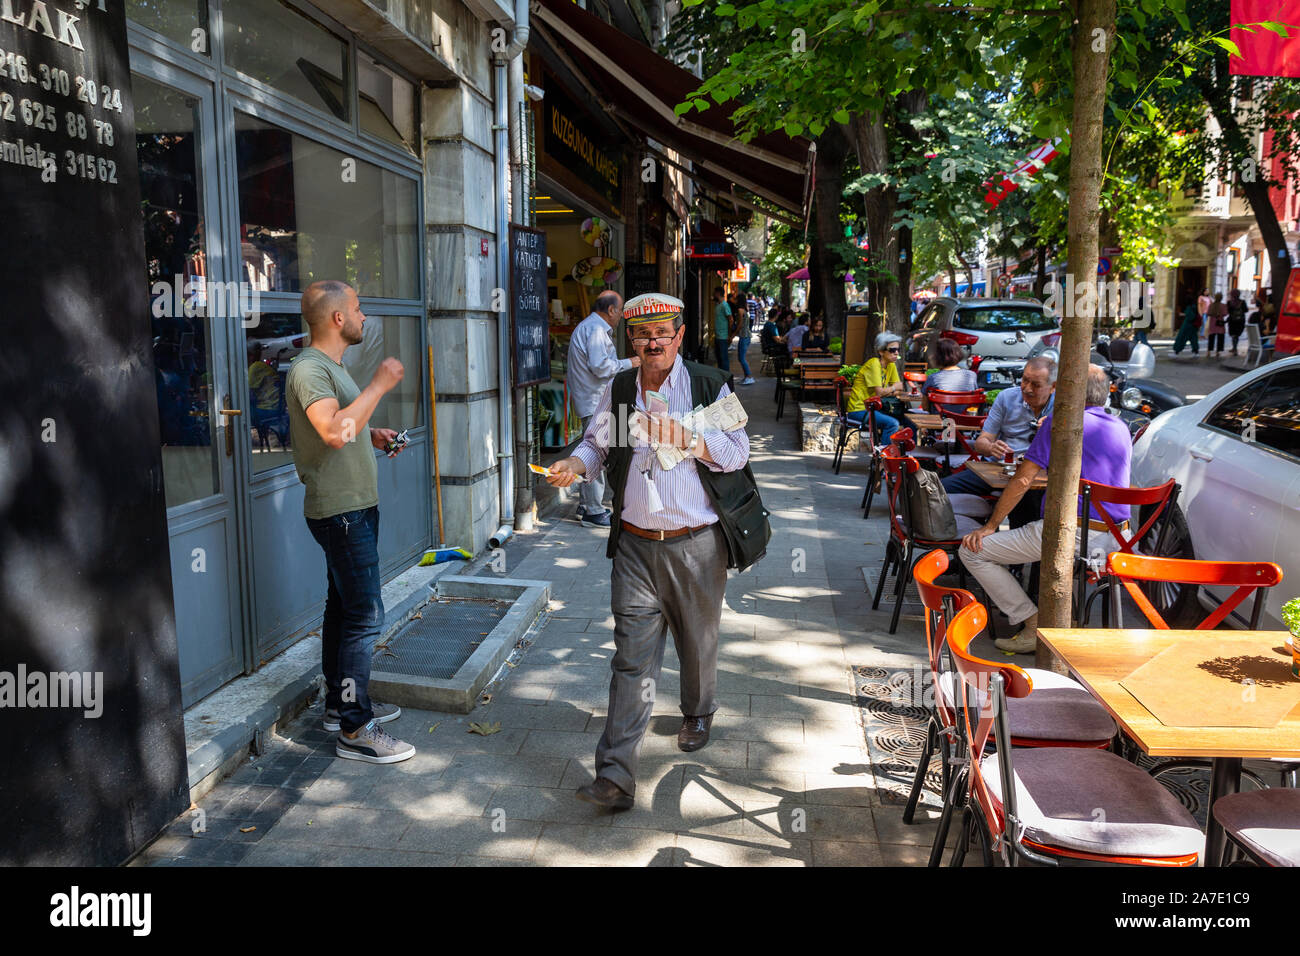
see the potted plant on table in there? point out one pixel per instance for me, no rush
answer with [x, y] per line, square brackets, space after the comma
[1291, 618]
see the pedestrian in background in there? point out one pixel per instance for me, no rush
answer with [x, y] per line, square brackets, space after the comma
[721, 330]
[1189, 331]
[593, 362]
[1236, 309]
[1203, 302]
[1215, 326]
[744, 331]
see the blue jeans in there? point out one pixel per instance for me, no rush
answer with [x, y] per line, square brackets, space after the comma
[885, 425]
[354, 611]
[720, 350]
[742, 346]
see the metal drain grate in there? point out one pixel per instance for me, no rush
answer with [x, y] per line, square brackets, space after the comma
[436, 644]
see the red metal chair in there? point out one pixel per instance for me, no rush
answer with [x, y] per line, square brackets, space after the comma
[961, 438]
[1248, 577]
[1059, 712]
[903, 541]
[1088, 568]
[1053, 805]
[963, 403]
[873, 439]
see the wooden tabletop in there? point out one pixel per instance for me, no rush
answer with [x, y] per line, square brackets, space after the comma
[991, 472]
[1102, 658]
[930, 420]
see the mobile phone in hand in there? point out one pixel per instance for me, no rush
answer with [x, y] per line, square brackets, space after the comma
[400, 441]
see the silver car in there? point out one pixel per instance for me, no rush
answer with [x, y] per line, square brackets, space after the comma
[1001, 332]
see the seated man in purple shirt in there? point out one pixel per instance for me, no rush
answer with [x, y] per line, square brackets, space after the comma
[988, 553]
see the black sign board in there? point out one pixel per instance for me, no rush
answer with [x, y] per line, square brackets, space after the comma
[640, 278]
[93, 747]
[531, 324]
[568, 139]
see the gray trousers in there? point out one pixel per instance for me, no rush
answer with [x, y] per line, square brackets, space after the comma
[659, 586]
[591, 491]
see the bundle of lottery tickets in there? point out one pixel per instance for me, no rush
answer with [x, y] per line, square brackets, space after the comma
[724, 415]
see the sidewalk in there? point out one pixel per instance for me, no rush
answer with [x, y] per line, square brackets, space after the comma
[803, 767]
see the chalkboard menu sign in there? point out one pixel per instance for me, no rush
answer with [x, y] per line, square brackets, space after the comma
[640, 278]
[532, 336]
[93, 749]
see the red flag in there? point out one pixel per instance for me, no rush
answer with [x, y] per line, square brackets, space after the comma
[1002, 185]
[1263, 52]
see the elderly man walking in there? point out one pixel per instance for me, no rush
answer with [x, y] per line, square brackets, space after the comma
[593, 362]
[987, 552]
[673, 537]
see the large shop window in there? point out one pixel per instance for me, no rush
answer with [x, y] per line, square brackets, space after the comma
[181, 21]
[171, 203]
[277, 340]
[280, 47]
[310, 212]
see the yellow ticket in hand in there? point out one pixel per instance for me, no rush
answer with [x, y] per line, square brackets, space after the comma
[545, 472]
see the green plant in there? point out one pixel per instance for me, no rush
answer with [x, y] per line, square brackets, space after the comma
[1291, 616]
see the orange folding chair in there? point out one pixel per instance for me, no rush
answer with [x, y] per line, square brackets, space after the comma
[1059, 712]
[1248, 577]
[1053, 805]
[1087, 568]
[903, 540]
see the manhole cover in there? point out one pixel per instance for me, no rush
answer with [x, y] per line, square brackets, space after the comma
[436, 644]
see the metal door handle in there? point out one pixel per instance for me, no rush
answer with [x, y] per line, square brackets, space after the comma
[229, 413]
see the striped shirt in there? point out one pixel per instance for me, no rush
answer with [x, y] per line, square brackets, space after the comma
[685, 502]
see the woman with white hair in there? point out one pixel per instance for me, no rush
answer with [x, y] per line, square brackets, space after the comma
[878, 378]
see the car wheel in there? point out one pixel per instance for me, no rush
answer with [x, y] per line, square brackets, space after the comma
[1170, 537]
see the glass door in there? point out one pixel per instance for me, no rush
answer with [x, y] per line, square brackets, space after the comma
[189, 299]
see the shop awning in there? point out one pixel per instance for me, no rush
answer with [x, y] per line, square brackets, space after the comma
[644, 87]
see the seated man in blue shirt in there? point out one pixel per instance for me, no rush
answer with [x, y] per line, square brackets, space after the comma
[988, 553]
[1012, 423]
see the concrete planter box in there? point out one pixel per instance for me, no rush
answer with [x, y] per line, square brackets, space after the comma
[819, 429]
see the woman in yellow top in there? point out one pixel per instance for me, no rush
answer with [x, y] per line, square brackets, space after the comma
[878, 377]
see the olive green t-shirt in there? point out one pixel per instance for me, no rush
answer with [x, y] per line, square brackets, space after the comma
[337, 479]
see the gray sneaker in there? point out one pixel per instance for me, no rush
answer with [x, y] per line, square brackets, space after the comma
[373, 745]
[383, 713]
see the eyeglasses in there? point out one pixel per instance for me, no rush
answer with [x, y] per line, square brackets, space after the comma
[647, 339]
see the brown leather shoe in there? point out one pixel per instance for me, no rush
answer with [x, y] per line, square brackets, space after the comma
[605, 793]
[694, 733]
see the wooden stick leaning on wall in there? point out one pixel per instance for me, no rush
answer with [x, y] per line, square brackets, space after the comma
[437, 473]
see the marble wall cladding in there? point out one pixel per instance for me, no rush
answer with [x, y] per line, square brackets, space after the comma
[458, 185]
[467, 437]
[465, 353]
[458, 112]
[470, 513]
[459, 276]
[462, 39]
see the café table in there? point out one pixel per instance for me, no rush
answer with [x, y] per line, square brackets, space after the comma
[931, 421]
[995, 478]
[1102, 658]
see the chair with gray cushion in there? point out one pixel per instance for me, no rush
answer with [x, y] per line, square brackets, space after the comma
[1054, 805]
[1263, 825]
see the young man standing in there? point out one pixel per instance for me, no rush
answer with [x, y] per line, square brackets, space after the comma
[334, 452]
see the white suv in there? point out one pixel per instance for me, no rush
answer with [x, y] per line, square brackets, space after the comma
[1000, 331]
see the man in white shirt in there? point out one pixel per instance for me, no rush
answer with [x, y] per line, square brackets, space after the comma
[593, 362]
[670, 541]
